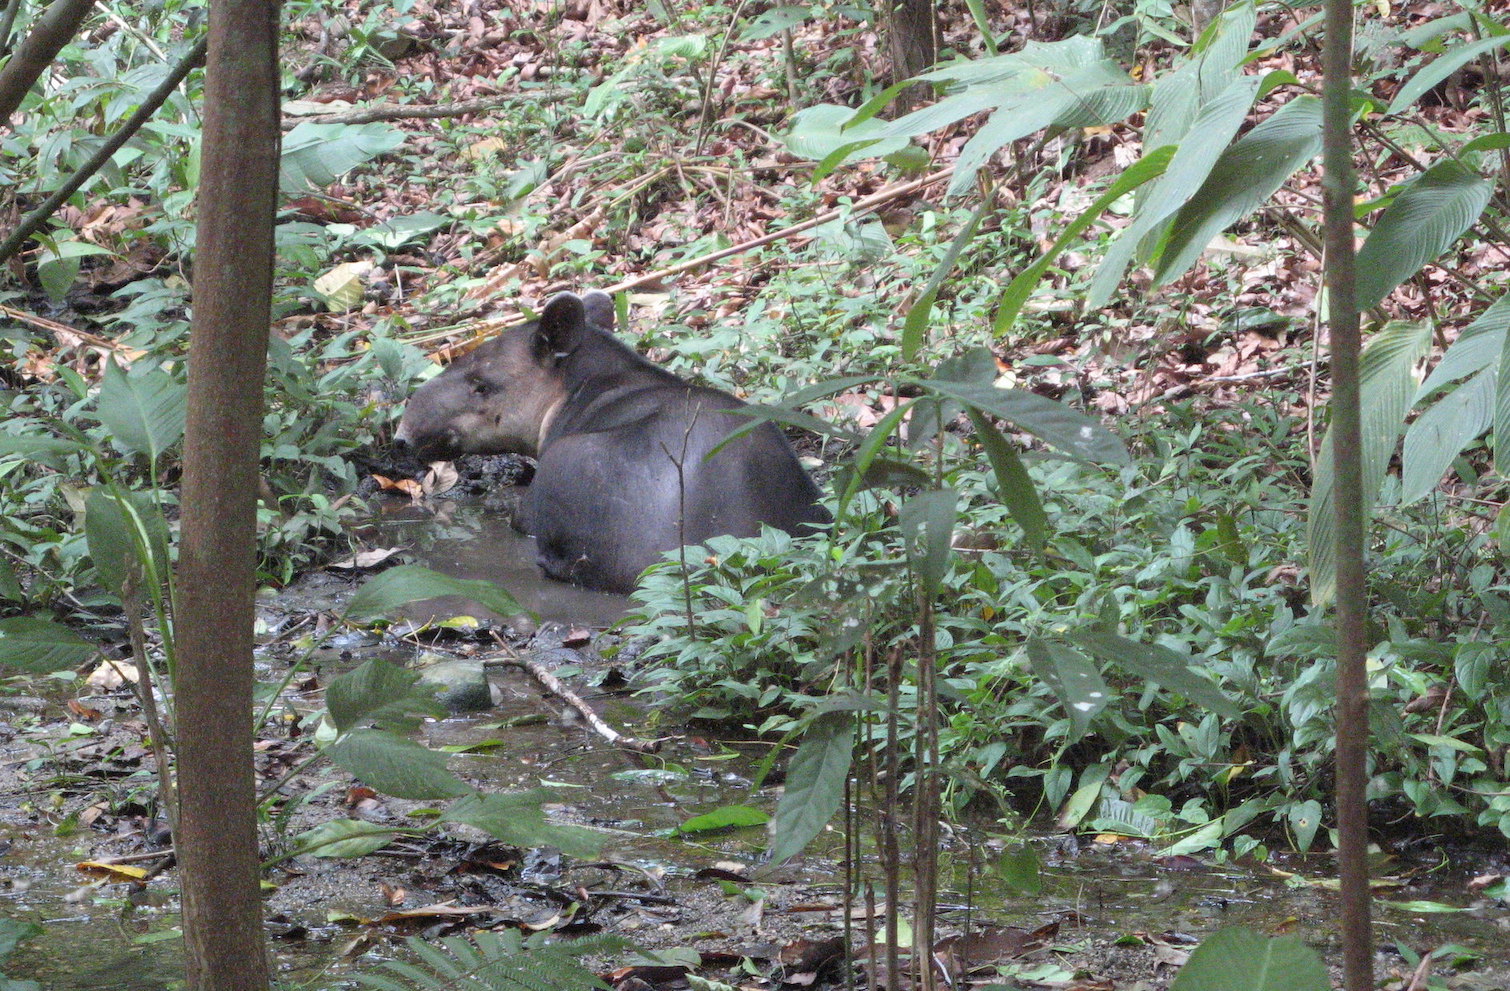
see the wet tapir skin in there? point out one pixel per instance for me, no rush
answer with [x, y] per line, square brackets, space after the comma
[608, 428]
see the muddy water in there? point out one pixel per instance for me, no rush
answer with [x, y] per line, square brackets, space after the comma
[465, 540]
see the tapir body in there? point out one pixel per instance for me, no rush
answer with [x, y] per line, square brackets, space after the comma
[608, 430]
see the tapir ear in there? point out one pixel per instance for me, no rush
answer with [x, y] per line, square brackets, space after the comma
[600, 313]
[562, 324]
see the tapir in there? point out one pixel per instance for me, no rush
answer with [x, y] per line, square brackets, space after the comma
[608, 430]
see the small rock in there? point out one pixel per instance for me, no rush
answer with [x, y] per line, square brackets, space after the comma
[459, 684]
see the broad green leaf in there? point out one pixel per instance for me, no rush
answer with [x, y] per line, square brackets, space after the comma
[378, 693]
[1244, 177]
[385, 592]
[315, 155]
[1386, 384]
[1439, 69]
[40, 646]
[394, 765]
[144, 411]
[1442, 432]
[1085, 798]
[1012, 482]
[1424, 220]
[1147, 168]
[344, 838]
[1305, 819]
[48, 450]
[874, 442]
[1223, 45]
[10, 587]
[1478, 347]
[1020, 869]
[1095, 96]
[1073, 679]
[126, 532]
[724, 817]
[1160, 665]
[915, 326]
[814, 784]
[927, 519]
[1238, 959]
[59, 265]
[776, 20]
[1450, 742]
[1209, 135]
[396, 232]
[820, 132]
[1056, 424]
[1207, 837]
[982, 24]
[517, 818]
[1502, 414]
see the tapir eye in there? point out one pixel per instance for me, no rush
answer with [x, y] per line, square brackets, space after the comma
[480, 387]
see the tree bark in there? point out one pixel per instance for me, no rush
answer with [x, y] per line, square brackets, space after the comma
[912, 34]
[217, 839]
[1344, 339]
[48, 36]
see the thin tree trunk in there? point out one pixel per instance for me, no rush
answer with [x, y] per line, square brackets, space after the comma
[217, 839]
[48, 35]
[1344, 340]
[912, 33]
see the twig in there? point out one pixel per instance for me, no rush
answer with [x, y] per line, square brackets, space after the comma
[59, 329]
[553, 685]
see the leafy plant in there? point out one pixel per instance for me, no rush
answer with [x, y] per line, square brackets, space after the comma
[494, 960]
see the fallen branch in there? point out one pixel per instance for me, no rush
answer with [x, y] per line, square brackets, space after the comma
[400, 111]
[553, 685]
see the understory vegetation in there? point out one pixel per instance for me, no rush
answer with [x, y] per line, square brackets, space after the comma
[1092, 524]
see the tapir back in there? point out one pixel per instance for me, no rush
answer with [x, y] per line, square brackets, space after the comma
[623, 446]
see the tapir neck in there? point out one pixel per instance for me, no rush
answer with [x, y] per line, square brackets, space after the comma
[545, 424]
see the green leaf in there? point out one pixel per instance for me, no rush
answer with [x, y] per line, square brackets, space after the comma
[1386, 384]
[1207, 837]
[10, 587]
[395, 766]
[1450, 742]
[59, 265]
[517, 818]
[814, 784]
[928, 519]
[1420, 225]
[1012, 481]
[144, 411]
[1479, 346]
[1305, 819]
[1149, 167]
[396, 232]
[776, 20]
[1441, 433]
[385, 592]
[380, 694]
[315, 155]
[1074, 681]
[343, 838]
[1020, 869]
[1243, 178]
[1196, 156]
[1054, 423]
[1238, 959]
[825, 133]
[40, 646]
[1439, 69]
[914, 327]
[1160, 665]
[125, 531]
[724, 817]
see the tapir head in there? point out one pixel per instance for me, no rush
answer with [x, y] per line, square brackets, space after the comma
[499, 398]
